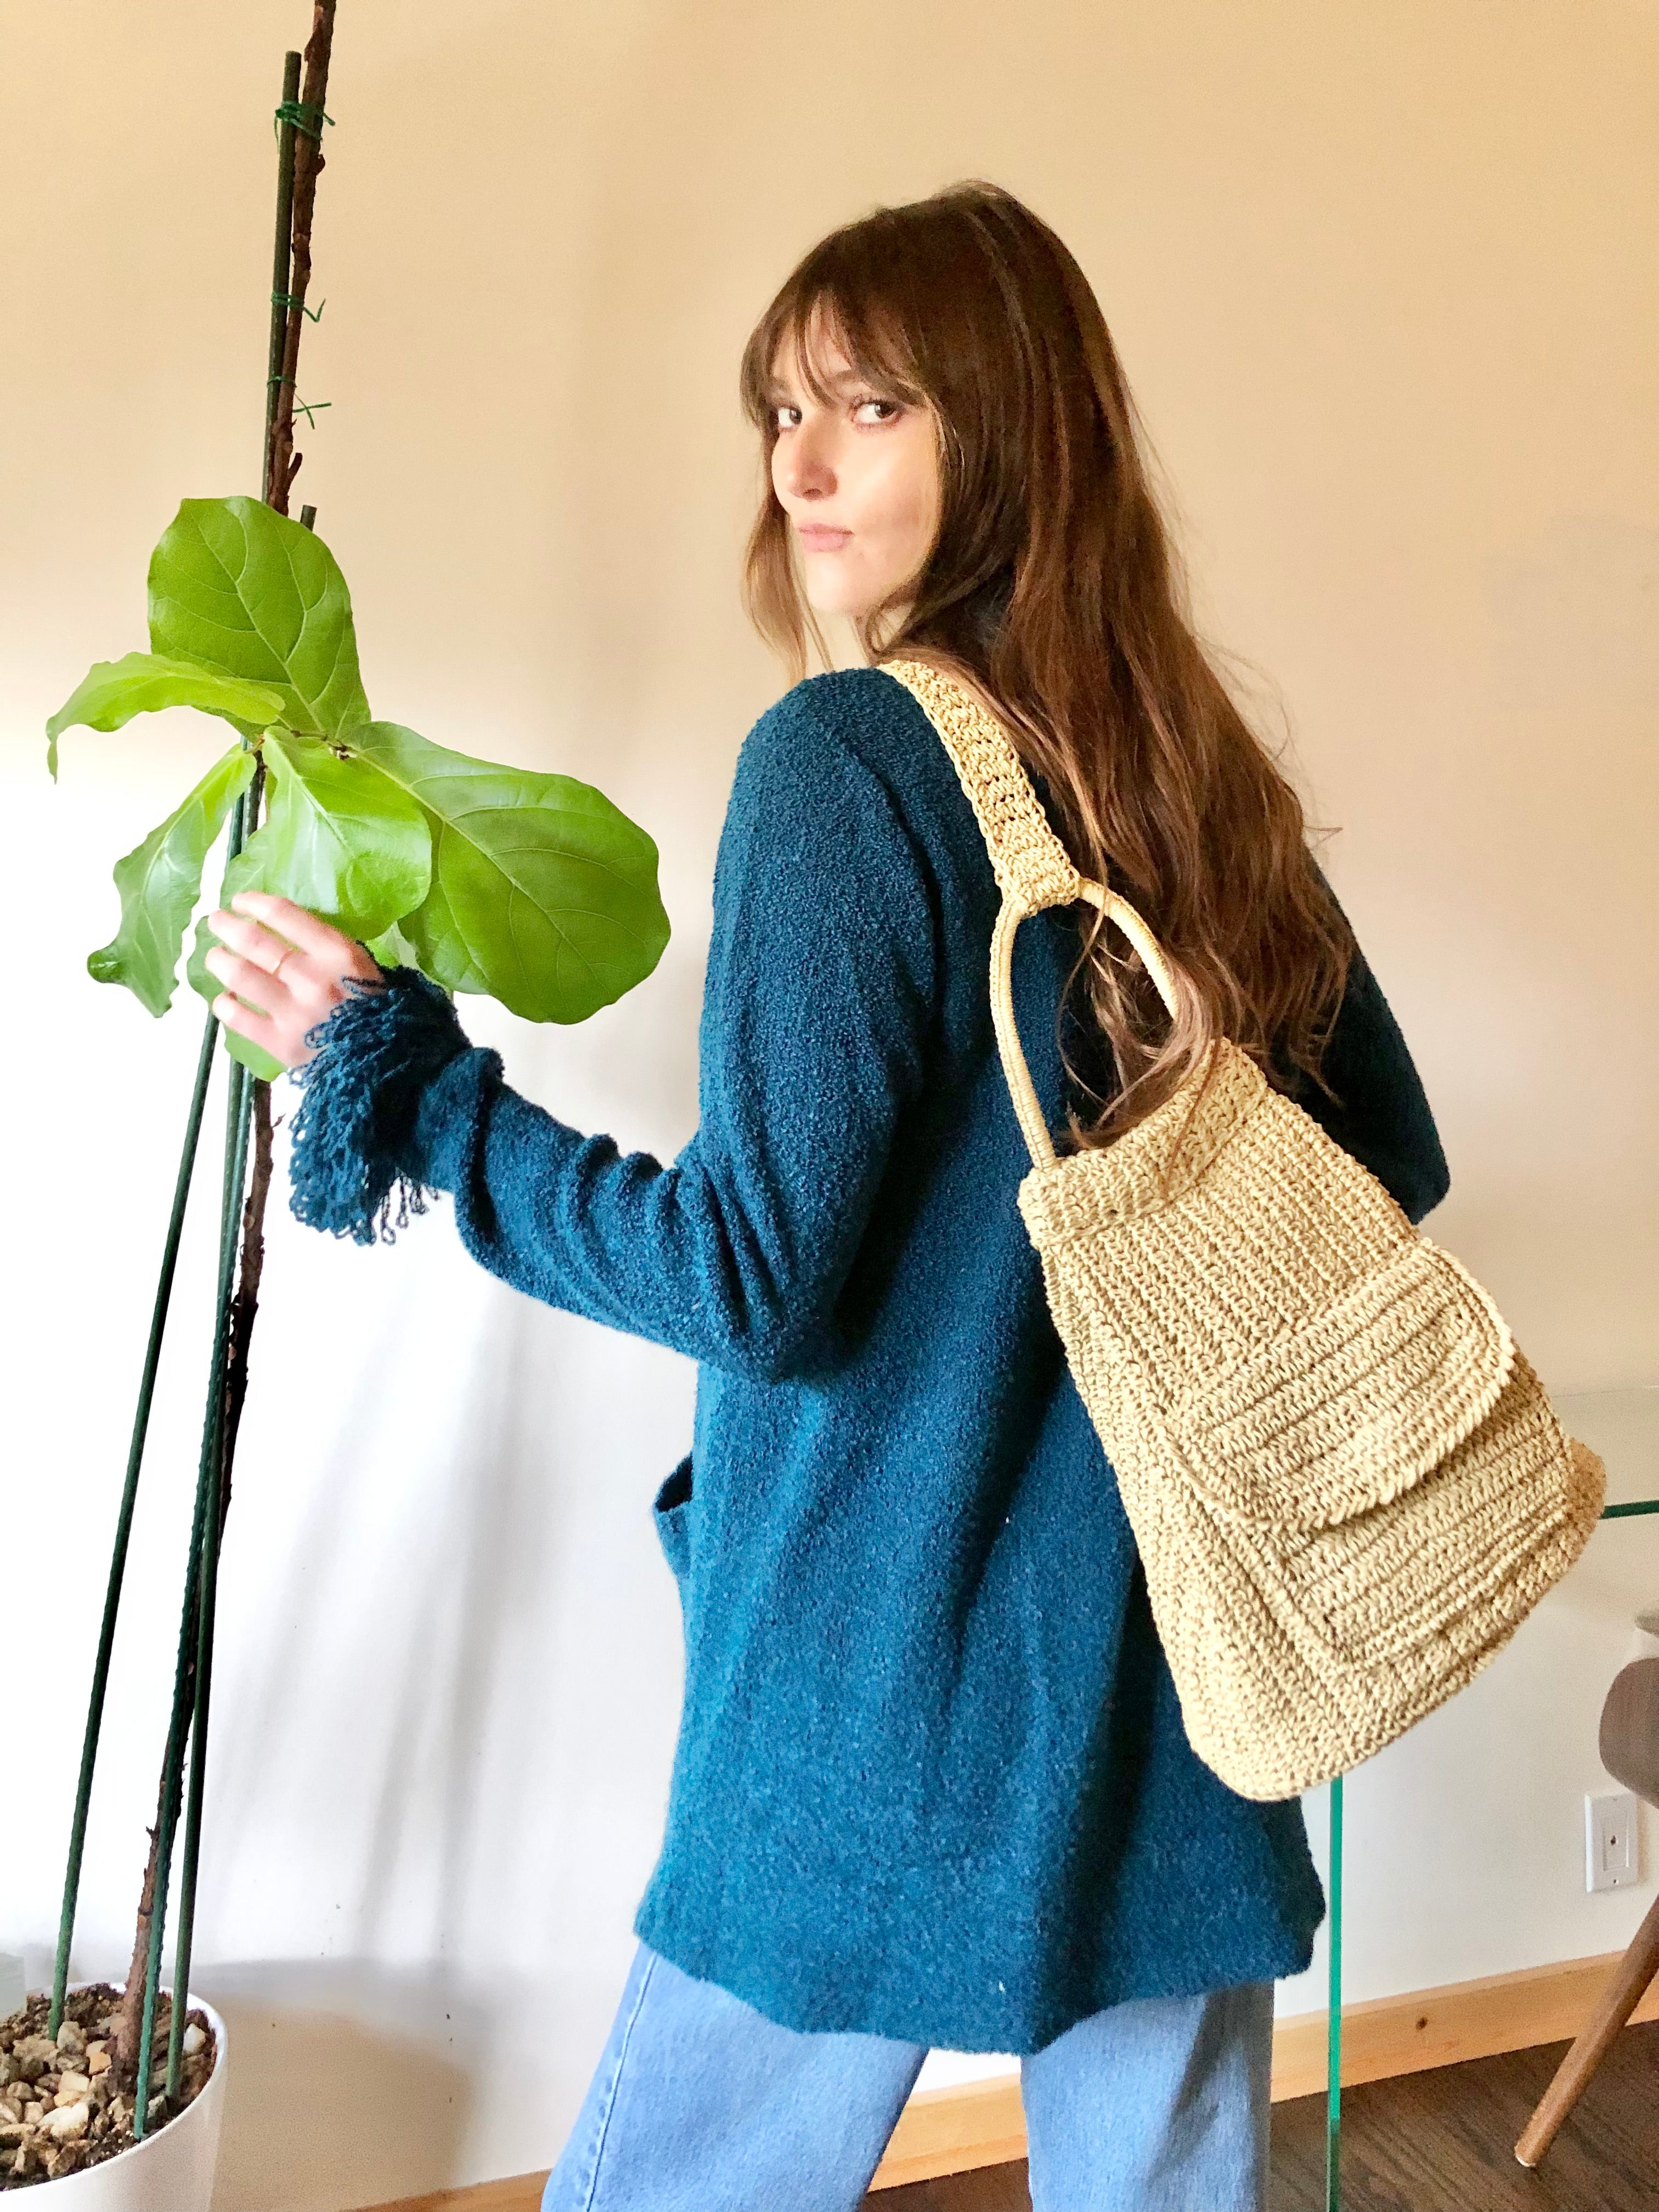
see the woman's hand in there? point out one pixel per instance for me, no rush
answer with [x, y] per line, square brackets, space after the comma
[287, 970]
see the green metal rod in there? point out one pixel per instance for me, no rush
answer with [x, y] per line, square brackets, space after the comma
[193, 1665]
[207, 1579]
[1334, 2000]
[207, 1583]
[236, 1125]
[197, 1624]
[158, 1320]
[206, 1598]
[173, 1764]
[1333, 2017]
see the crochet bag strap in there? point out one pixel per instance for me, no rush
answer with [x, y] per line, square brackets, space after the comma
[1032, 867]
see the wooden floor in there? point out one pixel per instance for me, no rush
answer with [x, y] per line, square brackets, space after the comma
[1437, 2141]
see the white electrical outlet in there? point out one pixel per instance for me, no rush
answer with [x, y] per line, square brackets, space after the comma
[1610, 1836]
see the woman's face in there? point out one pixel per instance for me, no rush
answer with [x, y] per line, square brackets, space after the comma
[858, 479]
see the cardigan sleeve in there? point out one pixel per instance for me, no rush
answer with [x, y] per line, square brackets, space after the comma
[818, 998]
[1380, 1112]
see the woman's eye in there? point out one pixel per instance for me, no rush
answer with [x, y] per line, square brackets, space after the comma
[781, 412]
[890, 406]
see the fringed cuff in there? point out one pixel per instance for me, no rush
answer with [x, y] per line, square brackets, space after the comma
[375, 1056]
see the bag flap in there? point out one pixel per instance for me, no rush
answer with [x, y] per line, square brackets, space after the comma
[1353, 1408]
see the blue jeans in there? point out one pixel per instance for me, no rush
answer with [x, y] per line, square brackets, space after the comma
[700, 2104]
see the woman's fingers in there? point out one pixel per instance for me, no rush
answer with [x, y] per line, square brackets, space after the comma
[251, 979]
[247, 1021]
[288, 971]
[245, 935]
[329, 947]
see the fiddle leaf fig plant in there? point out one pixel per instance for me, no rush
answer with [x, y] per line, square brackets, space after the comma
[161, 882]
[533, 888]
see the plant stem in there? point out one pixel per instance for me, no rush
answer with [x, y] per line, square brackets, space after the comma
[246, 1310]
[282, 260]
[283, 464]
[124, 1524]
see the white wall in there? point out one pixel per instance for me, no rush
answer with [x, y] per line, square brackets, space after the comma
[1378, 279]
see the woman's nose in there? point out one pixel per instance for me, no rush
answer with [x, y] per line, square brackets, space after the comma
[806, 470]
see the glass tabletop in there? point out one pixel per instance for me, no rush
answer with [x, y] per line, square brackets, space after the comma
[1619, 1508]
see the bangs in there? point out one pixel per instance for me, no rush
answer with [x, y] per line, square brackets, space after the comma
[817, 315]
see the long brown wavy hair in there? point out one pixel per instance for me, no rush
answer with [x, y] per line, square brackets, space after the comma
[1052, 585]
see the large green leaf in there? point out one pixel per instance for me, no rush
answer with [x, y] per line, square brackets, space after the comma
[159, 883]
[253, 1057]
[199, 978]
[543, 894]
[236, 587]
[338, 837]
[113, 691]
[393, 949]
[197, 975]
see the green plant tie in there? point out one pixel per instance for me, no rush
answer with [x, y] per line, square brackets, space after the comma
[298, 113]
[308, 408]
[293, 300]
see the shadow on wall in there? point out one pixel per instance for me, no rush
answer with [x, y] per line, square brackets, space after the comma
[381, 1615]
[344, 2089]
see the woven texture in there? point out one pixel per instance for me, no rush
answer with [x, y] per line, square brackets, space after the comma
[1348, 1485]
[1033, 868]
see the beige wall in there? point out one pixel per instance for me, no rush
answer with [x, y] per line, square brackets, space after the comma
[1385, 281]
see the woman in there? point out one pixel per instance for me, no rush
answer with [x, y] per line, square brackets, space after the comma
[932, 1785]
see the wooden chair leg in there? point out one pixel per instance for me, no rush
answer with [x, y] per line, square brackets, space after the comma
[1619, 2001]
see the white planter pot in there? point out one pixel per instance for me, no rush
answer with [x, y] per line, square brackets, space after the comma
[171, 2171]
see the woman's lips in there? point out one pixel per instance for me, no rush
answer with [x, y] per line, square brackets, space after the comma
[818, 537]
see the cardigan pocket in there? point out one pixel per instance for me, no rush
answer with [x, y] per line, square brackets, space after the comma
[671, 1511]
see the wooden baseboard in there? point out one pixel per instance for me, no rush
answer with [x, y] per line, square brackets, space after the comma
[977, 2124]
[954, 2129]
[519, 2192]
[1388, 2035]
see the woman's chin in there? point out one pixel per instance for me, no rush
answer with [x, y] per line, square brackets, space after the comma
[836, 596]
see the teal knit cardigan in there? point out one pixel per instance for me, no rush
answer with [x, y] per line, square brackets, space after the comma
[930, 1780]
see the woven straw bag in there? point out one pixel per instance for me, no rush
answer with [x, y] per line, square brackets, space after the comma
[1348, 1485]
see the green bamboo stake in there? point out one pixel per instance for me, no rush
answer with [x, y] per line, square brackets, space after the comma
[237, 1115]
[205, 1604]
[1333, 2017]
[236, 1127]
[201, 1594]
[218, 1432]
[124, 1525]
[280, 267]
[215, 1448]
